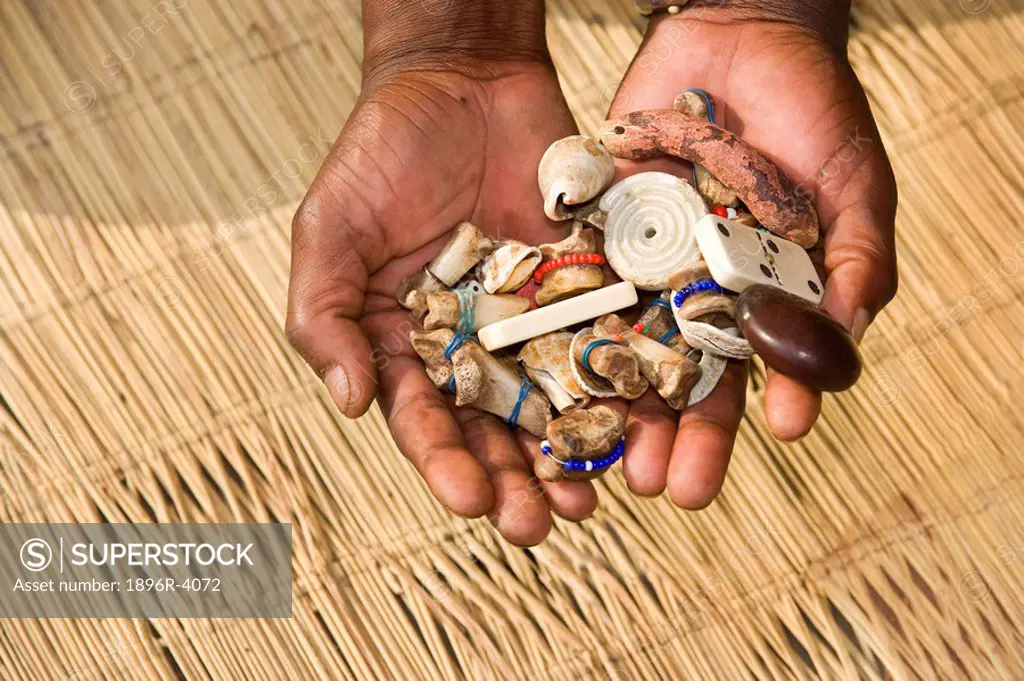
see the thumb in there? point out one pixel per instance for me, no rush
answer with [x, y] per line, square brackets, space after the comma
[860, 258]
[326, 295]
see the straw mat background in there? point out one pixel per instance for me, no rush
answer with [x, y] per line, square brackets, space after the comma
[144, 377]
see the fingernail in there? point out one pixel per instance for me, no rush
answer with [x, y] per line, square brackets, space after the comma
[338, 385]
[861, 321]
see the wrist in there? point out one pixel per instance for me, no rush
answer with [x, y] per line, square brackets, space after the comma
[826, 20]
[450, 34]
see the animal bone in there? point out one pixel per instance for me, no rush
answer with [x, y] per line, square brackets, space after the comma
[558, 316]
[702, 105]
[467, 247]
[446, 309]
[547, 362]
[493, 385]
[583, 435]
[508, 267]
[570, 280]
[572, 171]
[615, 369]
[411, 290]
[671, 373]
[759, 183]
[658, 319]
[430, 346]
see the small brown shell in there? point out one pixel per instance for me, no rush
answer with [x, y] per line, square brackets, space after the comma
[508, 267]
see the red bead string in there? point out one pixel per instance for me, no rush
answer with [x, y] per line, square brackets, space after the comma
[573, 259]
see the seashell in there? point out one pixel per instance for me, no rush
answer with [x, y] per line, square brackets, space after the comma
[448, 310]
[494, 385]
[466, 248]
[572, 171]
[430, 346]
[584, 435]
[548, 364]
[615, 369]
[721, 341]
[570, 280]
[649, 233]
[699, 310]
[699, 103]
[671, 373]
[508, 267]
[712, 367]
[411, 289]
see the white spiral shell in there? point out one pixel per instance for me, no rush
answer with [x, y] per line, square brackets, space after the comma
[649, 234]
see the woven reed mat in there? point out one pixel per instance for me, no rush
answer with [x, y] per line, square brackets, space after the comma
[144, 377]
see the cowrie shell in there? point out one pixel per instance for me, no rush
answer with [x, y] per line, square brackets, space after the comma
[649, 234]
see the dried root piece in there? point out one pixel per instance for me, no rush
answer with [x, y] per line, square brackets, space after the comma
[671, 373]
[758, 182]
[573, 171]
[508, 267]
[548, 364]
[591, 436]
[454, 309]
[700, 104]
[614, 368]
[467, 247]
[566, 281]
[412, 291]
[494, 385]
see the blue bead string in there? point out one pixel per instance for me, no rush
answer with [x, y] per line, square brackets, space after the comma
[710, 104]
[669, 335]
[467, 308]
[457, 340]
[661, 302]
[585, 360]
[451, 384]
[701, 286]
[524, 390]
[578, 465]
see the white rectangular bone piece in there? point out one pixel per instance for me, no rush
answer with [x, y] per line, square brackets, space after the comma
[793, 267]
[739, 256]
[557, 316]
